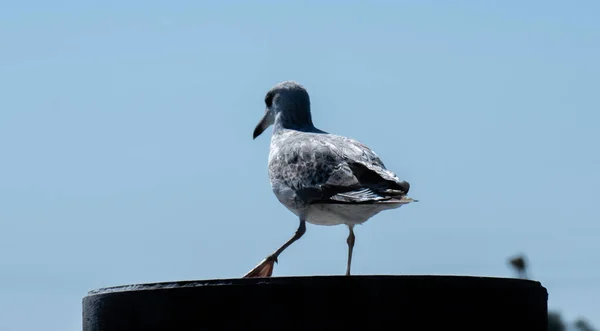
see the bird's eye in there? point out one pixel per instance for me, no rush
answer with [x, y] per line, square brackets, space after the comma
[269, 99]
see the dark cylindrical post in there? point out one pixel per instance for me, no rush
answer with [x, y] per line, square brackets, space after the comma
[321, 303]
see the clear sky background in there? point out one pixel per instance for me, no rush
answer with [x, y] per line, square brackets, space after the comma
[127, 153]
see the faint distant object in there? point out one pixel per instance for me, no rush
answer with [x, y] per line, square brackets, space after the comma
[519, 263]
[555, 322]
[583, 325]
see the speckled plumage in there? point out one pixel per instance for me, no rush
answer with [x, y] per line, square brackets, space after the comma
[310, 170]
[324, 179]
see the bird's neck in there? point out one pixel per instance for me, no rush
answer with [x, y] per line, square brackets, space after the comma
[300, 121]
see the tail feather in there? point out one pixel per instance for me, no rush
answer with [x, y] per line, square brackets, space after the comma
[403, 200]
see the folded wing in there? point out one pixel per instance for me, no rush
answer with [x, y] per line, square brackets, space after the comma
[352, 173]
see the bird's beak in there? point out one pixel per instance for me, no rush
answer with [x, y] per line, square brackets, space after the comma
[264, 123]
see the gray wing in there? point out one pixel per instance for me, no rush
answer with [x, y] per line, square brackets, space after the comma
[333, 169]
[377, 184]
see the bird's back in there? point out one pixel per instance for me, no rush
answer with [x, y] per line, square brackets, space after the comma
[307, 168]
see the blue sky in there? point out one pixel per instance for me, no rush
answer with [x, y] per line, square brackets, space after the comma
[127, 151]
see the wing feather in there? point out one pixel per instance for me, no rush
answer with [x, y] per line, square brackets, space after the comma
[335, 169]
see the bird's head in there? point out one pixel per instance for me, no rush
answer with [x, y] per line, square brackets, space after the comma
[288, 105]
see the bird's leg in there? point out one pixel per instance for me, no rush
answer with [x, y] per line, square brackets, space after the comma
[350, 242]
[265, 267]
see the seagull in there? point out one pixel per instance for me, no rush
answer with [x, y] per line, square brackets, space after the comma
[324, 179]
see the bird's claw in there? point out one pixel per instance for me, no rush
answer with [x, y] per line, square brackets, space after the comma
[263, 269]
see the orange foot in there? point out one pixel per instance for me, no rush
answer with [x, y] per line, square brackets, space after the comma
[263, 269]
